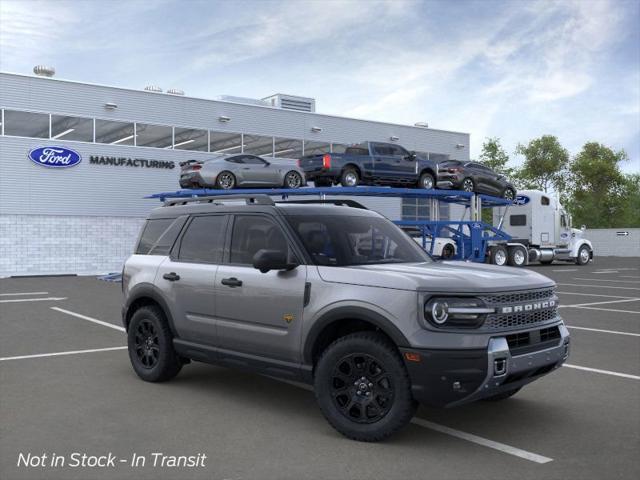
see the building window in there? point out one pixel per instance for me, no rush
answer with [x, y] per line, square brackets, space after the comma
[114, 133]
[71, 128]
[191, 139]
[225, 143]
[258, 145]
[157, 136]
[316, 148]
[26, 124]
[287, 148]
[415, 209]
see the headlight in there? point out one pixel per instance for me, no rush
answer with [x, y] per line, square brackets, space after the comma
[456, 312]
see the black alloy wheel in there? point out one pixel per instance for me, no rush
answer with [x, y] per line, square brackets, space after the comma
[468, 185]
[361, 389]
[146, 344]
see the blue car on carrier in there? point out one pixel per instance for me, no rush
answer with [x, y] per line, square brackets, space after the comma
[371, 163]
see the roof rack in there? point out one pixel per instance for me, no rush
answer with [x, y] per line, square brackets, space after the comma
[340, 202]
[259, 199]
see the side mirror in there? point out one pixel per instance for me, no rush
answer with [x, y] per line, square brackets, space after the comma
[411, 156]
[583, 228]
[265, 260]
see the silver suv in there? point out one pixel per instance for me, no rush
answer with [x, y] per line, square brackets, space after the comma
[337, 297]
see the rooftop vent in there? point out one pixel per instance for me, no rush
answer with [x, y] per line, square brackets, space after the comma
[44, 71]
[421, 124]
[175, 91]
[153, 88]
[291, 102]
[245, 100]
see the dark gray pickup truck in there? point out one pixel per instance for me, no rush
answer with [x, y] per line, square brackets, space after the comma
[371, 163]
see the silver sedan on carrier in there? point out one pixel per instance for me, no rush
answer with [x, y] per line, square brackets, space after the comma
[244, 170]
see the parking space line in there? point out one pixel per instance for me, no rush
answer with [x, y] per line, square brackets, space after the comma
[629, 276]
[47, 299]
[592, 295]
[597, 286]
[604, 331]
[566, 270]
[485, 442]
[607, 280]
[89, 319]
[57, 354]
[606, 271]
[599, 303]
[23, 293]
[532, 457]
[606, 372]
[609, 310]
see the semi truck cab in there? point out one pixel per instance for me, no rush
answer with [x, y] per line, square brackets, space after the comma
[540, 223]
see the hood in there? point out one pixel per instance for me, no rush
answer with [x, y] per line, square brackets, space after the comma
[452, 277]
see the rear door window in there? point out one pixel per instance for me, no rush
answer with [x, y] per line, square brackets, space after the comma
[203, 240]
[158, 235]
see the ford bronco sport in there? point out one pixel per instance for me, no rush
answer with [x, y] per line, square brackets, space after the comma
[337, 297]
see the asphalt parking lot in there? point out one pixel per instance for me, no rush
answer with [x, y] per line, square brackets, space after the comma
[582, 421]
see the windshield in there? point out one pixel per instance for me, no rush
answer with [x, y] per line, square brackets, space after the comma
[343, 241]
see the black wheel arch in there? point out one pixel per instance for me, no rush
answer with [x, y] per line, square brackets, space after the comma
[428, 170]
[353, 166]
[142, 295]
[342, 321]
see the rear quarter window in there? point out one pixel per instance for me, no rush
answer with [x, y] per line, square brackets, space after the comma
[159, 235]
[518, 220]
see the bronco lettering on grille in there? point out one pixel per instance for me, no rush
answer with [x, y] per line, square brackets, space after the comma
[528, 307]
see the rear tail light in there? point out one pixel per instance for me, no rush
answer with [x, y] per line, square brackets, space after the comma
[326, 161]
[196, 167]
[454, 170]
[299, 162]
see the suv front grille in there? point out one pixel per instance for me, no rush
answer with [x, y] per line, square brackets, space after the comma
[507, 321]
[528, 342]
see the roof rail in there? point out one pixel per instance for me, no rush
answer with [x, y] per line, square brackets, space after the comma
[259, 199]
[338, 201]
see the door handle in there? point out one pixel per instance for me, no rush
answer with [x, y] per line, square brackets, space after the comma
[231, 282]
[172, 277]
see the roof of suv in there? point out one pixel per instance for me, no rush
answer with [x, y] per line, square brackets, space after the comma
[282, 208]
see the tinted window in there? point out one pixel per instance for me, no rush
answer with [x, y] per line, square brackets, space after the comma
[204, 239]
[151, 234]
[157, 136]
[382, 150]
[252, 160]
[357, 151]
[252, 233]
[398, 151]
[346, 241]
[115, 133]
[518, 220]
[544, 201]
[239, 159]
[26, 124]
[72, 128]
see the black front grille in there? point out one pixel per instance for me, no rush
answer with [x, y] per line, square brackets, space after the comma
[496, 321]
[528, 342]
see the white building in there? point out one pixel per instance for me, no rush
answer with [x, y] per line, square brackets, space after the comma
[85, 219]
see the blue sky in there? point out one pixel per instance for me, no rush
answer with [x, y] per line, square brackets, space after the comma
[512, 69]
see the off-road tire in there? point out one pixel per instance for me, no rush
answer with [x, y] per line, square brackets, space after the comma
[381, 363]
[502, 396]
[167, 364]
[346, 176]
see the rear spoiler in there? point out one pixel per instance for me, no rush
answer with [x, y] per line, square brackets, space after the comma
[189, 162]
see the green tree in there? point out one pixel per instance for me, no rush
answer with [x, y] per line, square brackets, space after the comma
[600, 196]
[495, 157]
[545, 164]
[630, 214]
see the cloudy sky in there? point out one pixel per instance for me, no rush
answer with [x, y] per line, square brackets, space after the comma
[512, 69]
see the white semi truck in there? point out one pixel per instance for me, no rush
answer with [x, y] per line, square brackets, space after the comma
[540, 231]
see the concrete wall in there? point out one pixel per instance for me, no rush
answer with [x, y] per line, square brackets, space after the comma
[607, 242]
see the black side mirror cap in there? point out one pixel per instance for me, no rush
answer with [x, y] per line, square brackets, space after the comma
[265, 260]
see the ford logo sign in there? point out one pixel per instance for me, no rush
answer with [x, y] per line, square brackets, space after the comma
[55, 157]
[521, 200]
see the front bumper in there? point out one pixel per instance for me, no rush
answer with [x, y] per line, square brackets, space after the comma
[448, 378]
[449, 181]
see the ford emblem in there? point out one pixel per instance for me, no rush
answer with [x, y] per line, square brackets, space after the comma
[55, 157]
[521, 200]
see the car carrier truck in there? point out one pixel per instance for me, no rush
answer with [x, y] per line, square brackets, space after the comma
[540, 231]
